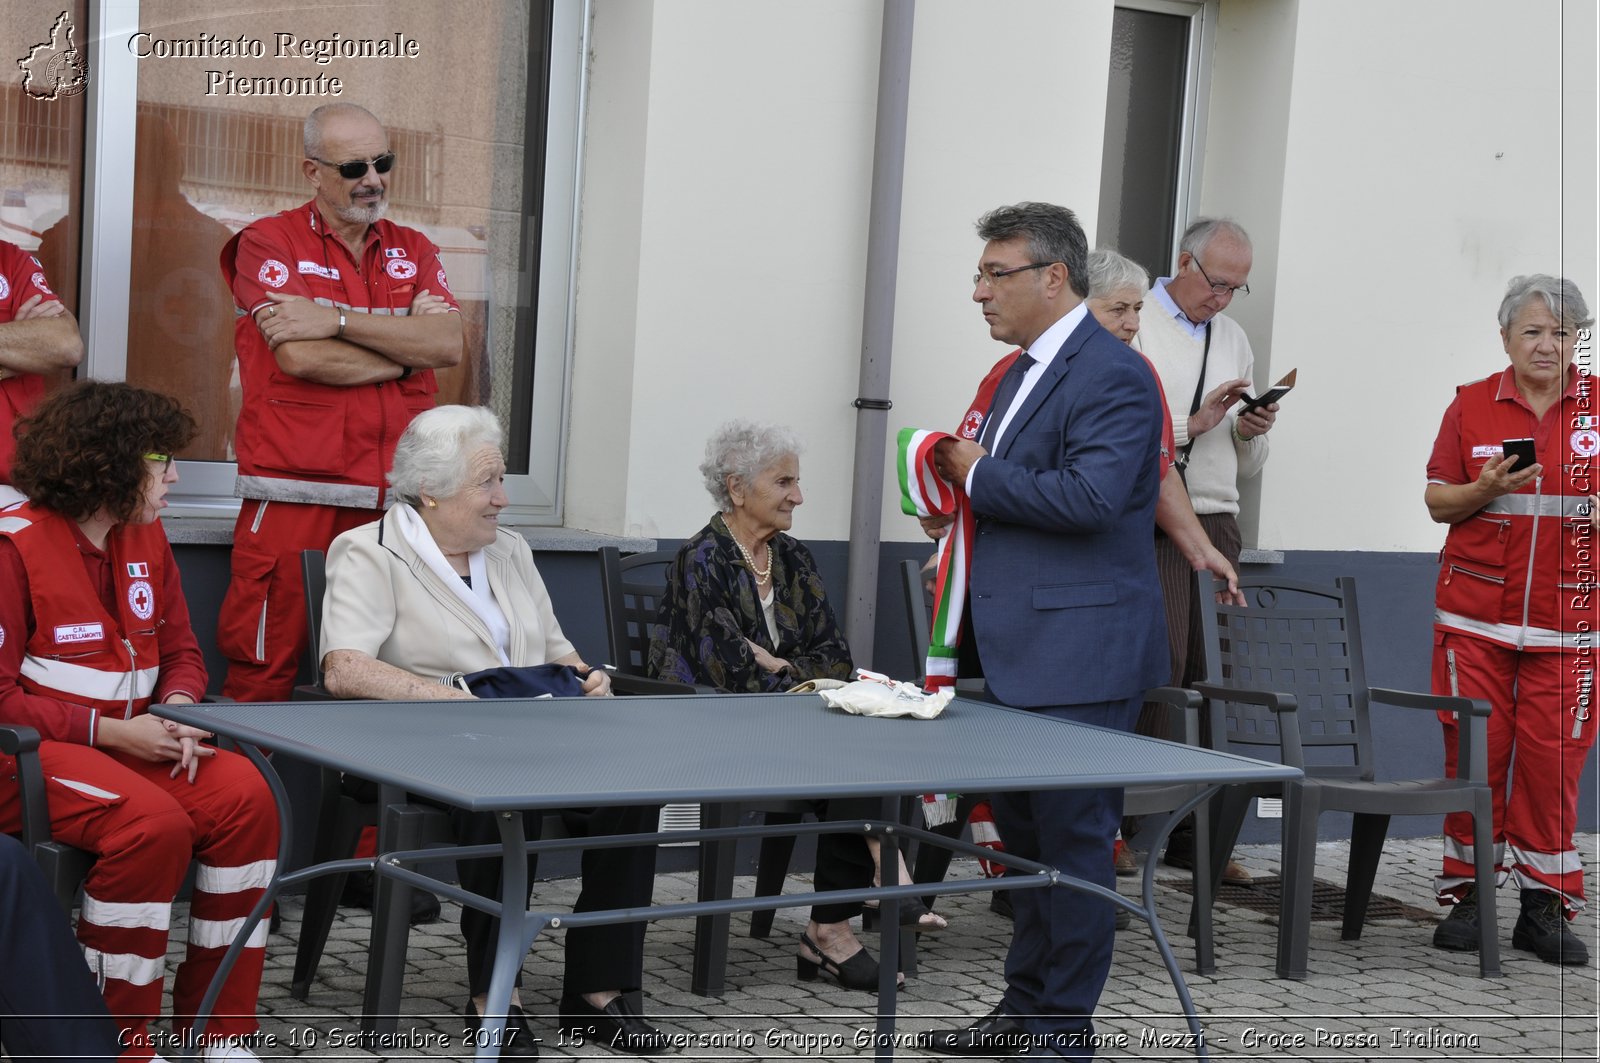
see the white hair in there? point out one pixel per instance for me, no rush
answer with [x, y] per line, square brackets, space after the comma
[432, 453]
[741, 450]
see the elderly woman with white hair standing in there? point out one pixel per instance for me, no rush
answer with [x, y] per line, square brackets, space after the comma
[436, 588]
[745, 611]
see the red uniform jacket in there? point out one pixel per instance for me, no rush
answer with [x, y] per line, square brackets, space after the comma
[1521, 570]
[300, 441]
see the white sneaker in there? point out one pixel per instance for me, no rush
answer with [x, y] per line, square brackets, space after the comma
[231, 1049]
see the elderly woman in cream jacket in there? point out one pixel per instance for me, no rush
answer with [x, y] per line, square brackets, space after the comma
[437, 587]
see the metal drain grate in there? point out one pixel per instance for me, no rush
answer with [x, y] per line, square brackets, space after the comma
[1327, 900]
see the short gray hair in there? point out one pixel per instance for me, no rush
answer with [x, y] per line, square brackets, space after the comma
[741, 449]
[1111, 272]
[1561, 297]
[433, 450]
[1198, 236]
[311, 134]
[1052, 233]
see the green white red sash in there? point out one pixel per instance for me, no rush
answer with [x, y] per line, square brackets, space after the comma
[924, 493]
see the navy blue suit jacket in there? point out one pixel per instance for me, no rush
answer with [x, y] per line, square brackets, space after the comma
[1065, 603]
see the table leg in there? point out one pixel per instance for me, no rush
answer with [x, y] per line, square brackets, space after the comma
[513, 945]
[1185, 1001]
[399, 830]
[716, 883]
[888, 934]
[280, 798]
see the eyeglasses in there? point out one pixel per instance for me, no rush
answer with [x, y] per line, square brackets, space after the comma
[357, 168]
[989, 276]
[163, 460]
[1218, 289]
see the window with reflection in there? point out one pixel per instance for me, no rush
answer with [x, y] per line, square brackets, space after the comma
[41, 138]
[219, 144]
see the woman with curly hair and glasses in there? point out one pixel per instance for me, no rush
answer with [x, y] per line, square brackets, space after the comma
[93, 630]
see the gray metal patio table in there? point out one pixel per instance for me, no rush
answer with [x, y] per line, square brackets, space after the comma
[512, 756]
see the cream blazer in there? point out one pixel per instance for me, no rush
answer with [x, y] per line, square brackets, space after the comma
[384, 601]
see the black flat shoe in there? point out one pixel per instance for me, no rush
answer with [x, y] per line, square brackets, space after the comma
[617, 1026]
[519, 1040]
[996, 1034]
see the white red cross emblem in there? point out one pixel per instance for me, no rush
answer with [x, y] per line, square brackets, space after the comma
[273, 273]
[142, 599]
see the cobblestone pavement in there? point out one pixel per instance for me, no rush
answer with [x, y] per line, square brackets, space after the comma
[1388, 996]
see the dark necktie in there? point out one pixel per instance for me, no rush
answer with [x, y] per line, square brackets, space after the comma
[1004, 395]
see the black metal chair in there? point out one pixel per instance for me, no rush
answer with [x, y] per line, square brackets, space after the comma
[1287, 682]
[632, 588]
[932, 863]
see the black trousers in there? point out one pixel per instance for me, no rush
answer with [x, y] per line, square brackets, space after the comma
[49, 1006]
[597, 957]
[843, 860]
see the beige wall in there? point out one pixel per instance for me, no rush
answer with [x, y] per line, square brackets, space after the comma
[1395, 163]
[1414, 181]
[728, 164]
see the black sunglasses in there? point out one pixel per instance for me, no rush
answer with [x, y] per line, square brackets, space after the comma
[357, 169]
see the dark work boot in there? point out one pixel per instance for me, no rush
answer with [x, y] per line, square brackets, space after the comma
[1459, 931]
[1542, 929]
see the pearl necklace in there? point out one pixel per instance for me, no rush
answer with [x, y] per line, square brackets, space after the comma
[762, 574]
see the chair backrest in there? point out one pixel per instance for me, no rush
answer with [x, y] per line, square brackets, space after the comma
[632, 588]
[1293, 638]
[314, 578]
[916, 614]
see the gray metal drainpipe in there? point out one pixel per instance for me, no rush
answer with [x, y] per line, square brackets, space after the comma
[877, 326]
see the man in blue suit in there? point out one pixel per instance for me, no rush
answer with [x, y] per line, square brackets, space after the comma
[1065, 607]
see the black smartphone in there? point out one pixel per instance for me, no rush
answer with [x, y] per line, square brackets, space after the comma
[1274, 394]
[1522, 450]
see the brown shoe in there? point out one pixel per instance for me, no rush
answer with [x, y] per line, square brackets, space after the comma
[1126, 863]
[1234, 875]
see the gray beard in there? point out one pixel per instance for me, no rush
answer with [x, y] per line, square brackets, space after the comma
[362, 215]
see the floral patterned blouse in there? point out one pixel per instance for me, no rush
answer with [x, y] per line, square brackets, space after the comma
[711, 607]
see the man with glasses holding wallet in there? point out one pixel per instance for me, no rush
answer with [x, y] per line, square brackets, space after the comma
[342, 319]
[1206, 366]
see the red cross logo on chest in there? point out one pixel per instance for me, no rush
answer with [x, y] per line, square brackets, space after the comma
[142, 599]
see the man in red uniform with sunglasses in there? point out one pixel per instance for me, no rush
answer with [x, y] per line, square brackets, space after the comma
[342, 319]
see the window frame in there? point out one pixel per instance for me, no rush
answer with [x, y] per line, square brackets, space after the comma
[206, 487]
[1202, 16]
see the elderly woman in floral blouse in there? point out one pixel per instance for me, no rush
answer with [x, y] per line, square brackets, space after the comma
[745, 612]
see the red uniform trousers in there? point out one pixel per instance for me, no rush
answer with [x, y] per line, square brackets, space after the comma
[1532, 739]
[261, 627]
[144, 828]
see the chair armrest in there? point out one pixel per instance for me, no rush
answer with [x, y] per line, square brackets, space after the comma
[15, 739]
[1183, 710]
[217, 699]
[1290, 749]
[1472, 737]
[1267, 698]
[1407, 699]
[626, 683]
[23, 744]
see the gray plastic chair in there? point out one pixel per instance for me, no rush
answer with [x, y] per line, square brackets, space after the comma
[1286, 677]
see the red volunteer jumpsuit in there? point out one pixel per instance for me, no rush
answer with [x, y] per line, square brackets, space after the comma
[312, 457]
[1514, 624]
[21, 278]
[91, 632]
